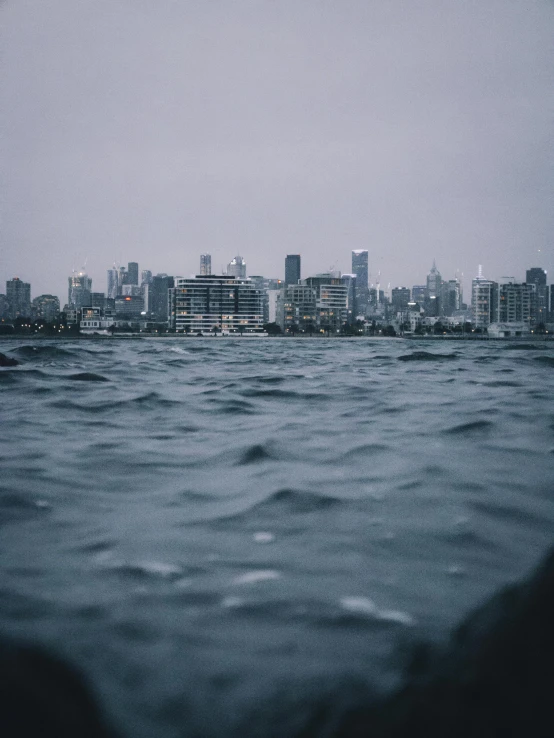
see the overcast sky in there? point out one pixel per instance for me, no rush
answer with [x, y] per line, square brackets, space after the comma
[154, 130]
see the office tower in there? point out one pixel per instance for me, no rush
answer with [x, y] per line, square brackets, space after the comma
[98, 299]
[237, 268]
[79, 286]
[451, 297]
[129, 307]
[400, 297]
[113, 283]
[433, 292]
[360, 267]
[132, 272]
[145, 277]
[158, 297]
[205, 264]
[537, 276]
[211, 304]
[418, 294]
[46, 307]
[484, 301]
[292, 269]
[18, 295]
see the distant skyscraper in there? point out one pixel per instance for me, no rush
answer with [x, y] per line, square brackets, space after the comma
[132, 272]
[418, 294]
[79, 286]
[113, 283]
[205, 264]
[537, 276]
[146, 277]
[433, 292]
[237, 268]
[292, 269]
[18, 294]
[360, 267]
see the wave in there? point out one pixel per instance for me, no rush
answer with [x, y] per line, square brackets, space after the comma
[547, 360]
[88, 377]
[426, 356]
[43, 351]
[472, 428]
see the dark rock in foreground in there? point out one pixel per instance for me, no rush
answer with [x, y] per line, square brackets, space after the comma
[7, 361]
[494, 679]
[42, 697]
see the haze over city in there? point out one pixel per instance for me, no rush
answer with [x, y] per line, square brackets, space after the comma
[155, 131]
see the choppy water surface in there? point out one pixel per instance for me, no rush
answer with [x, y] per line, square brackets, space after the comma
[219, 531]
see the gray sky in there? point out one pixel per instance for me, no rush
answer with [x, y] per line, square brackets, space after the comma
[154, 130]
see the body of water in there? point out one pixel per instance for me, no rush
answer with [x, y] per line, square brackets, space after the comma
[222, 532]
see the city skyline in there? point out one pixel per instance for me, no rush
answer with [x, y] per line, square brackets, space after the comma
[415, 132]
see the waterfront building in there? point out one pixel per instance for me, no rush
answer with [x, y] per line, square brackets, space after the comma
[516, 302]
[297, 309]
[129, 307]
[292, 269]
[46, 307]
[205, 264]
[158, 297]
[92, 321]
[331, 295]
[484, 301]
[113, 283]
[451, 297]
[18, 295]
[79, 288]
[237, 268]
[215, 304]
[3, 307]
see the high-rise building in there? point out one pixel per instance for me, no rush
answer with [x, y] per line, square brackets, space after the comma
[537, 276]
[484, 301]
[46, 307]
[237, 268]
[418, 294]
[113, 283]
[211, 304]
[158, 297]
[145, 277]
[451, 297]
[400, 297]
[516, 302]
[433, 292]
[360, 267]
[132, 273]
[79, 286]
[3, 307]
[292, 269]
[18, 294]
[205, 264]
